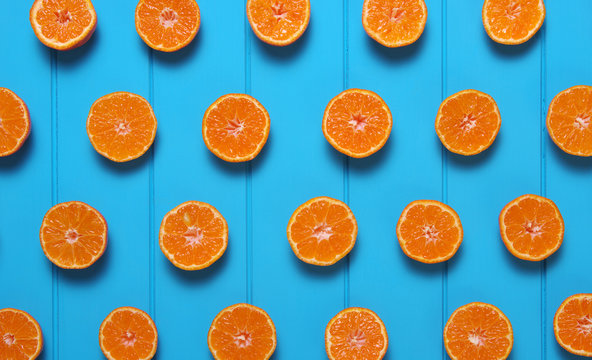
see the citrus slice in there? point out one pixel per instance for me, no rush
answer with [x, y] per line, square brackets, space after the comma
[569, 120]
[356, 333]
[573, 324]
[242, 331]
[394, 23]
[278, 22]
[357, 123]
[63, 25]
[468, 122]
[235, 127]
[128, 333]
[167, 25]
[121, 126]
[478, 331]
[429, 231]
[73, 235]
[15, 123]
[20, 335]
[512, 22]
[193, 235]
[531, 227]
[322, 231]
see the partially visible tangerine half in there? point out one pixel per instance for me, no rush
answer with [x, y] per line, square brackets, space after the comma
[394, 23]
[322, 231]
[63, 24]
[357, 123]
[429, 231]
[128, 333]
[73, 235]
[242, 331]
[356, 333]
[569, 120]
[193, 235]
[278, 22]
[121, 126]
[468, 122]
[15, 123]
[235, 127]
[573, 324]
[531, 227]
[512, 22]
[478, 331]
[167, 25]
[20, 335]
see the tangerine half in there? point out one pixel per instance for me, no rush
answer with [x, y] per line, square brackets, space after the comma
[278, 22]
[512, 22]
[572, 324]
[20, 335]
[128, 333]
[394, 23]
[15, 122]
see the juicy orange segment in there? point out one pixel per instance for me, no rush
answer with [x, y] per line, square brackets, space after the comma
[357, 123]
[128, 333]
[468, 122]
[572, 324]
[356, 333]
[278, 22]
[242, 331]
[121, 126]
[20, 335]
[15, 123]
[512, 22]
[322, 231]
[235, 127]
[193, 235]
[394, 23]
[531, 227]
[63, 24]
[73, 235]
[569, 120]
[478, 331]
[167, 25]
[429, 231]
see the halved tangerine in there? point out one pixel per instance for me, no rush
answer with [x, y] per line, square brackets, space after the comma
[242, 331]
[278, 22]
[512, 22]
[478, 331]
[357, 123]
[128, 333]
[63, 24]
[573, 324]
[322, 231]
[20, 335]
[73, 235]
[394, 23]
[468, 122]
[15, 123]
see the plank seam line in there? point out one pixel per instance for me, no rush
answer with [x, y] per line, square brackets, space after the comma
[55, 298]
[543, 185]
[248, 176]
[444, 80]
[151, 207]
[346, 186]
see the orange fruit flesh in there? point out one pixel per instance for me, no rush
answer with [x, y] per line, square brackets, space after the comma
[394, 23]
[356, 333]
[128, 333]
[20, 335]
[569, 120]
[278, 22]
[573, 322]
[513, 21]
[14, 122]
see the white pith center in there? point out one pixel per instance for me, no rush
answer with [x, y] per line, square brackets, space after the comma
[242, 339]
[357, 339]
[533, 229]
[582, 122]
[235, 127]
[468, 122]
[122, 128]
[358, 121]
[72, 236]
[9, 339]
[168, 17]
[585, 324]
[476, 339]
[513, 11]
[279, 12]
[63, 17]
[128, 338]
[397, 14]
[430, 233]
[322, 232]
[193, 235]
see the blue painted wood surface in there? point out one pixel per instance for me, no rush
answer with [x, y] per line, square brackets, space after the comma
[57, 163]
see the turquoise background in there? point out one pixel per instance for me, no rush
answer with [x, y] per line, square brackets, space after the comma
[57, 164]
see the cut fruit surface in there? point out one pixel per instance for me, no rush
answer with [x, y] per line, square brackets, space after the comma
[128, 333]
[468, 122]
[512, 22]
[278, 22]
[121, 126]
[573, 324]
[531, 227]
[242, 331]
[193, 235]
[20, 335]
[356, 333]
[357, 123]
[322, 231]
[15, 123]
[235, 127]
[478, 331]
[569, 120]
[429, 231]
[73, 235]
[394, 23]
[167, 25]
[63, 24]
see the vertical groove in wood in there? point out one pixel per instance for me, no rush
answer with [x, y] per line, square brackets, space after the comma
[543, 189]
[248, 174]
[444, 166]
[151, 221]
[55, 298]
[346, 275]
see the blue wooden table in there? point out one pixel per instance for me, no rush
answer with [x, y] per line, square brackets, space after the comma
[57, 164]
